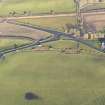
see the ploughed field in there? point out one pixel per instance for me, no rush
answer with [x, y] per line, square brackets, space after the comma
[97, 20]
[15, 30]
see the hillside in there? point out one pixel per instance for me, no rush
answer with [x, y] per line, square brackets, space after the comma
[36, 6]
[57, 78]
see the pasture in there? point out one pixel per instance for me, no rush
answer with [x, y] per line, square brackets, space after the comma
[11, 42]
[58, 23]
[36, 6]
[59, 79]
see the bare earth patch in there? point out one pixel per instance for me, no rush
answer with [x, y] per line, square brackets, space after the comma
[97, 20]
[11, 29]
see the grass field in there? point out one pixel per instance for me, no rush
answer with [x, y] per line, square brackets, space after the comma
[58, 79]
[58, 23]
[72, 44]
[11, 42]
[41, 6]
[36, 6]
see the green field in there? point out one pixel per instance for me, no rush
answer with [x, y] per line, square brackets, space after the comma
[58, 23]
[33, 7]
[11, 42]
[36, 6]
[58, 79]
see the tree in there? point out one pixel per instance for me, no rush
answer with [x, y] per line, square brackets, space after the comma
[13, 13]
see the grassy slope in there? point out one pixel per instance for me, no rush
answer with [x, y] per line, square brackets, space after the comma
[10, 42]
[55, 22]
[62, 44]
[40, 6]
[71, 44]
[58, 79]
[36, 6]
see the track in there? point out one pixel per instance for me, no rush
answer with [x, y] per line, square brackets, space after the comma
[25, 46]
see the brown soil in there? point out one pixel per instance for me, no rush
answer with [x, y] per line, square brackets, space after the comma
[97, 20]
[10, 29]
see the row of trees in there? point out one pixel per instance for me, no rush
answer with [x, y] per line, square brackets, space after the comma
[13, 13]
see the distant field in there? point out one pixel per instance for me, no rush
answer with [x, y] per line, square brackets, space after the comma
[41, 6]
[36, 6]
[72, 44]
[11, 42]
[55, 22]
[11, 29]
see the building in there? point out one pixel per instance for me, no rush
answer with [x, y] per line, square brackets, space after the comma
[83, 2]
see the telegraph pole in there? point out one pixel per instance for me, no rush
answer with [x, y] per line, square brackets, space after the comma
[79, 17]
[78, 20]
